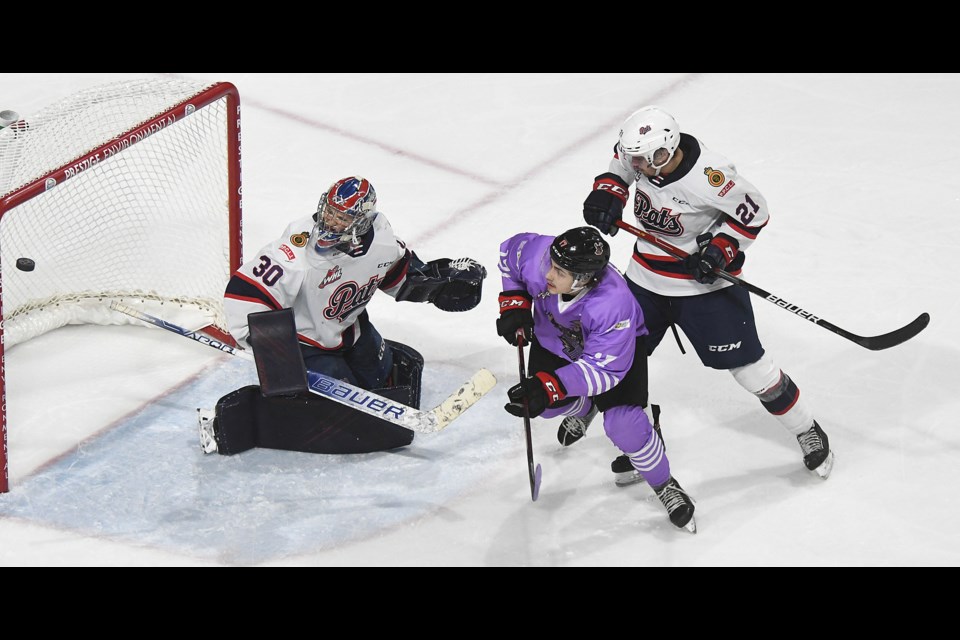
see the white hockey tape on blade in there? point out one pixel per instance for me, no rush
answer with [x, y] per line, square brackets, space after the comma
[479, 385]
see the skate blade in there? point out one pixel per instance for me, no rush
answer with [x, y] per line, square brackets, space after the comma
[628, 478]
[826, 467]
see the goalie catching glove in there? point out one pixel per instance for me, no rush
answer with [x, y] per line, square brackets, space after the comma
[449, 285]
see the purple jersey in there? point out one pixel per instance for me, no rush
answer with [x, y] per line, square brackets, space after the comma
[596, 331]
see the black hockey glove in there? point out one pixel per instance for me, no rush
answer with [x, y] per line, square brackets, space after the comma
[542, 390]
[449, 285]
[720, 251]
[464, 287]
[516, 312]
[603, 208]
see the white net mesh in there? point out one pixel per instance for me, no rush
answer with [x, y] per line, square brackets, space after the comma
[146, 221]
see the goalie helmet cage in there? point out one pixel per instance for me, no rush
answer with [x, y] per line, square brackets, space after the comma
[128, 192]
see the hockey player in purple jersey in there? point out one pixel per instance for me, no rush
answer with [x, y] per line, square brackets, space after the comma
[587, 348]
[694, 198]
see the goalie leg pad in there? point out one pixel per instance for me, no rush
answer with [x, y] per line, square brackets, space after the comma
[236, 422]
[317, 425]
[280, 367]
[246, 418]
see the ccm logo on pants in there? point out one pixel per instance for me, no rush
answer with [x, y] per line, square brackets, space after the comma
[724, 347]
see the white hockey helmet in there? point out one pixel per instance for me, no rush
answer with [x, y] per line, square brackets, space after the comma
[650, 134]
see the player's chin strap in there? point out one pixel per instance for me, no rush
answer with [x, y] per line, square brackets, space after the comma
[347, 394]
[450, 285]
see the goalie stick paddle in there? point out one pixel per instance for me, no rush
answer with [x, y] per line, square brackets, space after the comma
[432, 421]
[874, 343]
[534, 472]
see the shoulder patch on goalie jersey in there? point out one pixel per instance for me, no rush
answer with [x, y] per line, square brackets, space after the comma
[300, 239]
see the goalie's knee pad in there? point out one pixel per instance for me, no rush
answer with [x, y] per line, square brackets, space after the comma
[407, 370]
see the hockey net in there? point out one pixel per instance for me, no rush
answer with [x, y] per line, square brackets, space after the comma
[129, 191]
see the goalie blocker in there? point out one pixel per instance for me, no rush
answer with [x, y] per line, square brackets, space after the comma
[280, 413]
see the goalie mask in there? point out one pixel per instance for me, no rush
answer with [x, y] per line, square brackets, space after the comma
[649, 137]
[346, 211]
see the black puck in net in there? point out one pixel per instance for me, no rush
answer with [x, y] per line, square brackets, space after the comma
[26, 264]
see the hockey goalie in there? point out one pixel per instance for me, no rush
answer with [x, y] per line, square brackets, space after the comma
[300, 304]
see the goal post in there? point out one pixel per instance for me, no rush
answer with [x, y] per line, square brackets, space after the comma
[129, 192]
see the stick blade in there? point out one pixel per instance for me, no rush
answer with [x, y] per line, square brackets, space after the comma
[467, 395]
[901, 335]
[535, 483]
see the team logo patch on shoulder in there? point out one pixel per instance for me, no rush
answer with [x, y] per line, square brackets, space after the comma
[714, 177]
[287, 251]
[726, 188]
[623, 324]
[332, 276]
[299, 239]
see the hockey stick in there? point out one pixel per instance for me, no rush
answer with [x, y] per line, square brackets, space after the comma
[534, 473]
[352, 396]
[874, 343]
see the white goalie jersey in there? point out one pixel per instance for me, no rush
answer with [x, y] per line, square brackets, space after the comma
[327, 292]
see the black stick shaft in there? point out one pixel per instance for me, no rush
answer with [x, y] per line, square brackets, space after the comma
[874, 343]
[533, 470]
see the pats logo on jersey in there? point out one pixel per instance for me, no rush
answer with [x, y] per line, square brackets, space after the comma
[332, 276]
[714, 177]
[663, 221]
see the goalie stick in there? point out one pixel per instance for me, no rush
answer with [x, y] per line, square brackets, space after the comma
[874, 343]
[432, 421]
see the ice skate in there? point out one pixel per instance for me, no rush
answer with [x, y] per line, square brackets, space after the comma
[206, 419]
[678, 503]
[817, 456]
[624, 473]
[573, 428]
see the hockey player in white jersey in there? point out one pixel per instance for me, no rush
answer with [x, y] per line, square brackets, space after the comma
[694, 197]
[325, 269]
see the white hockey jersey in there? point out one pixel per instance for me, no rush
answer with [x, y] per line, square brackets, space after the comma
[704, 194]
[327, 292]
